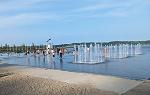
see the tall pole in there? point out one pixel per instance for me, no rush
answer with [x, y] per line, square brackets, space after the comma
[50, 39]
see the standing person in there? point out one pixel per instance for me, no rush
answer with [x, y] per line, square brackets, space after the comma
[63, 50]
[53, 52]
[60, 53]
[44, 52]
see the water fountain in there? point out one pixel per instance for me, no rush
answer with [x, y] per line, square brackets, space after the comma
[96, 53]
[88, 54]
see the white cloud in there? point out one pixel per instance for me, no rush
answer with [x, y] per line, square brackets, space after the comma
[114, 8]
[16, 13]
[120, 9]
[12, 5]
[93, 8]
[27, 19]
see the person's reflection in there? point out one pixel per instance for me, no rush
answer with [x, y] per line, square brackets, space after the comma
[61, 63]
[35, 62]
[51, 62]
[38, 61]
[44, 62]
[28, 60]
[54, 64]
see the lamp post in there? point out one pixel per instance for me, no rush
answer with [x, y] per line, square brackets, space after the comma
[50, 42]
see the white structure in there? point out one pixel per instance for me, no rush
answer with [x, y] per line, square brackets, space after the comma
[49, 49]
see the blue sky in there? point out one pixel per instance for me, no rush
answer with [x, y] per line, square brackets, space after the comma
[69, 21]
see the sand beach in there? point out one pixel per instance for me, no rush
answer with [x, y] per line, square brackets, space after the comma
[23, 80]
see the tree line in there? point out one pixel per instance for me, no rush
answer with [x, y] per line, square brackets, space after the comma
[21, 48]
[24, 48]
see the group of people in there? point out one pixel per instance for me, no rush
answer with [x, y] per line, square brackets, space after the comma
[50, 51]
[58, 51]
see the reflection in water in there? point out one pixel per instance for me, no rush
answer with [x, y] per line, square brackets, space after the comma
[51, 62]
[28, 60]
[39, 65]
[132, 67]
[61, 63]
[44, 62]
[34, 56]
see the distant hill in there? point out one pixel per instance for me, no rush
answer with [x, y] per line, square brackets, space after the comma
[106, 43]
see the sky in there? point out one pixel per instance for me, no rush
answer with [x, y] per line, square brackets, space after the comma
[71, 21]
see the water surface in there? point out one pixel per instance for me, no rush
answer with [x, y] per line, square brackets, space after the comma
[137, 67]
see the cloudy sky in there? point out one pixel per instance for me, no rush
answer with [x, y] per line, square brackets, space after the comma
[68, 21]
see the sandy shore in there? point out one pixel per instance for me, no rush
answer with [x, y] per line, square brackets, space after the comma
[22, 80]
[21, 84]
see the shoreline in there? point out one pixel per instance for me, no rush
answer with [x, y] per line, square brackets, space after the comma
[5, 64]
[101, 82]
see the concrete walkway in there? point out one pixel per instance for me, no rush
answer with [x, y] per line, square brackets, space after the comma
[142, 89]
[102, 82]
